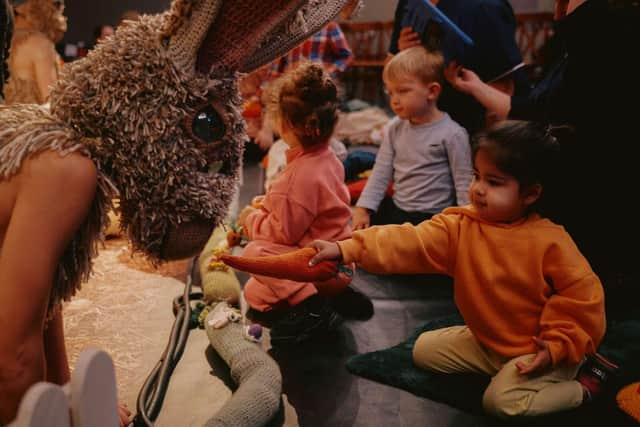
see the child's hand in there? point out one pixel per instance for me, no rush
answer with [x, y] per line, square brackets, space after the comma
[326, 251]
[242, 218]
[540, 362]
[408, 38]
[124, 414]
[256, 202]
[360, 219]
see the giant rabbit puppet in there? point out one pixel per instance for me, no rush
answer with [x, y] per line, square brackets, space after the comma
[151, 115]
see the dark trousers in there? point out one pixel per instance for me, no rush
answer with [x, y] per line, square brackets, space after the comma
[389, 213]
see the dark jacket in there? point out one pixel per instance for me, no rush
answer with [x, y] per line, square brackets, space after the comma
[595, 89]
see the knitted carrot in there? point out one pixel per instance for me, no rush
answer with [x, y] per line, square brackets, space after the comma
[292, 265]
[629, 400]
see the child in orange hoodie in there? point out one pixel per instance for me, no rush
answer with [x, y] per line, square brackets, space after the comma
[533, 307]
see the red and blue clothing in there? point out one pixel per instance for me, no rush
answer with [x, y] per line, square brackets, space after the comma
[328, 46]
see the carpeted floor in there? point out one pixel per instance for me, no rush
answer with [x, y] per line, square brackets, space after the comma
[125, 309]
[394, 366]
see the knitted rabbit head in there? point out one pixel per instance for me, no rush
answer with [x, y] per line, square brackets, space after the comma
[159, 102]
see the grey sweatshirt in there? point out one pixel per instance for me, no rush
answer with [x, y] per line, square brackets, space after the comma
[430, 165]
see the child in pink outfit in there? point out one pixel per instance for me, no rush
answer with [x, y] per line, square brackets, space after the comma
[308, 200]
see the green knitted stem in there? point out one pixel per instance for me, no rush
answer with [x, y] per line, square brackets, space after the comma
[217, 285]
[257, 397]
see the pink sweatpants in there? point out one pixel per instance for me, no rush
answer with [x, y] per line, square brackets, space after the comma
[263, 292]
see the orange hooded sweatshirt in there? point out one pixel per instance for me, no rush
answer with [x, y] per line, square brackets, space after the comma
[511, 281]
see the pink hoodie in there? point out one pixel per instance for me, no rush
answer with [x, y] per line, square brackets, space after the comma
[308, 200]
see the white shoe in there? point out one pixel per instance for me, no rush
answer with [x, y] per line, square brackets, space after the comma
[44, 404]
[94, 400]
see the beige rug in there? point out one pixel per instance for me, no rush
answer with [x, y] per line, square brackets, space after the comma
[125, 309]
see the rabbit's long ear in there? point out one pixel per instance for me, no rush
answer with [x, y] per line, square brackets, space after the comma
[250, 33]
[308, 19]
[239, 28]
[187, 25]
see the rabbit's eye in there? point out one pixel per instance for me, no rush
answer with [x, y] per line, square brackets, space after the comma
[207, 125]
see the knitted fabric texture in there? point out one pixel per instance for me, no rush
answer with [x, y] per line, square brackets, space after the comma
[128, 91]
[290, 33]
[259, 380]
[242, 35]
[167, 139]
[188, 24]
[358, 6]
[239, 28]
[218, 283]
[292, 265]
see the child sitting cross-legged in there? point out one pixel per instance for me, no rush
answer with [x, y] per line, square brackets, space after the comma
[533, 307]
[307, 200]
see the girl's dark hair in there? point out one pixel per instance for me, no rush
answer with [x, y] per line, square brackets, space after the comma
[528, 151]
[306, 100]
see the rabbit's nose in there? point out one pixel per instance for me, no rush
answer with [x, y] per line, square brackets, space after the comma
[186, 239]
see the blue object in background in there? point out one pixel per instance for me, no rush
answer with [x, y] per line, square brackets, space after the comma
[445, 35]
[357, 162]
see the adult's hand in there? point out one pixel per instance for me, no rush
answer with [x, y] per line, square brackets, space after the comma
[124, 414]
[408, 38]
[495, 101]
[461, 78]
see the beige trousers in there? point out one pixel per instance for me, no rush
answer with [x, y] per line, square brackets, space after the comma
[455, 350]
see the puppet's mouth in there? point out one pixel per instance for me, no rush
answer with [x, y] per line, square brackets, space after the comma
[186, 239]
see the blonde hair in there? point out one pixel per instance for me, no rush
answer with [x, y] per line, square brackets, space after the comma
[305, 99]
[418, 62]
[43, 16]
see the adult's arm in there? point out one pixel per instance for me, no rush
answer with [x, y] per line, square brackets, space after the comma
[56, 351]
[53, 199]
